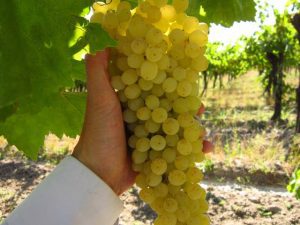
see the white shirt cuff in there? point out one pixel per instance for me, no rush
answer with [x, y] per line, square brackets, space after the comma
[71, 195]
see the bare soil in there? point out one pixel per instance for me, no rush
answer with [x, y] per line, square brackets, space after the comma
[230, 203]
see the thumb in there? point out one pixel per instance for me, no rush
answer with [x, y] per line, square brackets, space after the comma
[98, 83]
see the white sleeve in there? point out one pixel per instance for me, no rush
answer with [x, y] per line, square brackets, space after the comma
[71, 195]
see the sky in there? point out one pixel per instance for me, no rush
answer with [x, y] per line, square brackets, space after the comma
[230, 35]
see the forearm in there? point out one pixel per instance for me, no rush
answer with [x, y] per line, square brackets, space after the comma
[70, 195]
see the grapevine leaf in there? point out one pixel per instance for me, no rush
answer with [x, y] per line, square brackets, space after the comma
[27, 130]
[227, 12]
[194, 9]
[98, 38]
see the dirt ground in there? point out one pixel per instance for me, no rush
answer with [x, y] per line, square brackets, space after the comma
[230, 203]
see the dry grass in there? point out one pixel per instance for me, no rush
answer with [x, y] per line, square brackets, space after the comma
[238, 119]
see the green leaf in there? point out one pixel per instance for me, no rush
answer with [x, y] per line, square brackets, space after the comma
[27, 130]
[194, 9]
[226, 12]
[98, 38]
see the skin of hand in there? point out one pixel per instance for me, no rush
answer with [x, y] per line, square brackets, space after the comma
[102, 144]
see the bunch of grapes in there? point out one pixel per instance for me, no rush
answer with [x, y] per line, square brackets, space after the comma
[155, 72]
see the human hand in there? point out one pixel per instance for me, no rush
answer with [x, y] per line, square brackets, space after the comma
[102, 143]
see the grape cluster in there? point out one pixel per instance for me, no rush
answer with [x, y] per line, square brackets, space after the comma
[155, 71]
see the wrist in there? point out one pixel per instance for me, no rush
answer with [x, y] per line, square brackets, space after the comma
[96, 168]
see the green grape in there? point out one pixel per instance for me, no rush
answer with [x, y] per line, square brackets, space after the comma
[147, 195]
[142, 144]
[158, 205]
[155, 73]
[117, 83]
[198, 219]
[138, 46]
[135, 104]
[184, 147]
[184, 88]
[193, 103]
[110, 20]
[132, 91]
[172, 96]
[123, 14]
[129, 77]
[183, 214]
[169, 85]
[180, 5]
[159, 115]
[185, 62]
[157, 90]
[163, 45]
[147, 168]
[172, 140]
[159, 166]
[140, 131]
[198, 37]
[152, 102]
[168, 13]
[190, 24]
[192, 75]
[97, 17]
[122, 63]
[199, 157]
[179, 73]
[181, 162]
[141, 180]
[153, 154]
[158, 142]
[180, 105]
[169, 155]
[199, 63]
[170, 205]
[161, 190]
[172, 65]
[177, 177]
[177, 51]
[164, 62]
[137, 167]
[174, 189]
[185, 120]
[153, 179]
[129, 116]
[203, 27]
[166, 219]
[197, 146]
[193, 50]
[154, 54]
[194, 191]
[177, 36]
[149, 70]
[135, 61]
[151, 126]
[160, 3]
[132, 141]
[137, 27]
[153, 14]
[166, 104]
[193, 133]
[194, 175]
[161, 76]
[145, 85]
[154, 36]
[122, 97]
[170, 126]
[139, 157]
[123, 5]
